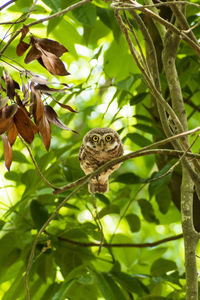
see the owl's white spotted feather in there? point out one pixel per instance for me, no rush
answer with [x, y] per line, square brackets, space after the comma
[99, 146]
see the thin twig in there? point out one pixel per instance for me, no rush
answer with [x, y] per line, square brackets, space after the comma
[36, 165]
[6, 4]
[176, 163]
[123, 245]
[99, 221]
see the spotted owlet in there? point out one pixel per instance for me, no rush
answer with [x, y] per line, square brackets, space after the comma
[99, 146]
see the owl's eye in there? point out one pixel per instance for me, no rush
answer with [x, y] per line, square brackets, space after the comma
[95, 138]
[108, 138]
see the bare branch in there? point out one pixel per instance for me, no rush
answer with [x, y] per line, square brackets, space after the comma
[123, 245]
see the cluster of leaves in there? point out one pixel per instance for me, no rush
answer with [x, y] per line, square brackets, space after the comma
[17, 119]
[46, 51]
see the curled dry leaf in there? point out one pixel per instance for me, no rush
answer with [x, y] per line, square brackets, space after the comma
[47, 52]
[52, 63]
[49, 45]
[21, 48]
[12, 133]
[45, 130]
[6, 115]
[25, 91]
[37, 108]
[8, 153]
[53, 118]
[25, 126]
[47, 90]
[33, 54]
[11, 85]
[40, 80]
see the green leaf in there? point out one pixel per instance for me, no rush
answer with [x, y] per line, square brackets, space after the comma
[149, 129]
[2, 223]
[39, 213]
[161, 266]
[64, 287]
[138, 98]
[163, 198]
[52, 24]
[143, 118]
[55, 5]
[13, 175]
[127, 256]
[108, 287]
[108, 210]
[108, 18]
[45, 266]
[129, 178]
[133, 222]
[130, 283]
[139, 139]
[86, 14]
[157, 185]
[20, 157]
[126, 83]
[147, 211]
[102, 198]
[30, 178]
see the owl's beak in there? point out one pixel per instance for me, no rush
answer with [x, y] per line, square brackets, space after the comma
[102, 144]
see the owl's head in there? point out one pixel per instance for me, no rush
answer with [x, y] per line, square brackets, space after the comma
[102, 139]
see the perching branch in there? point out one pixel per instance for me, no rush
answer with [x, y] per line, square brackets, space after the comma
[144, 151]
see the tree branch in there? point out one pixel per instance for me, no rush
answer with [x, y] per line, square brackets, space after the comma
[137, 6]
[123, 245]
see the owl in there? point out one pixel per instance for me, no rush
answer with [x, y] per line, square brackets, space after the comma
[99, 146]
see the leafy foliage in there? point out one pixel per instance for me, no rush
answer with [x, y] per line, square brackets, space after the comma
[103, 88]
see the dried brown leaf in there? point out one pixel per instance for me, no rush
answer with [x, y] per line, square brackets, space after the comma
[6, 115]
[53, 118]
[24, 31]
[47, 90]
[40, 80]
[33, 54]
[37, 108]
[8, 153]
[25, 91]
[10, 111]
[45, 130]
[25, 126]
[51, 46]
[52, 63]
[11, 85]
[66, 106]
[12, 133]
[21, 48]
